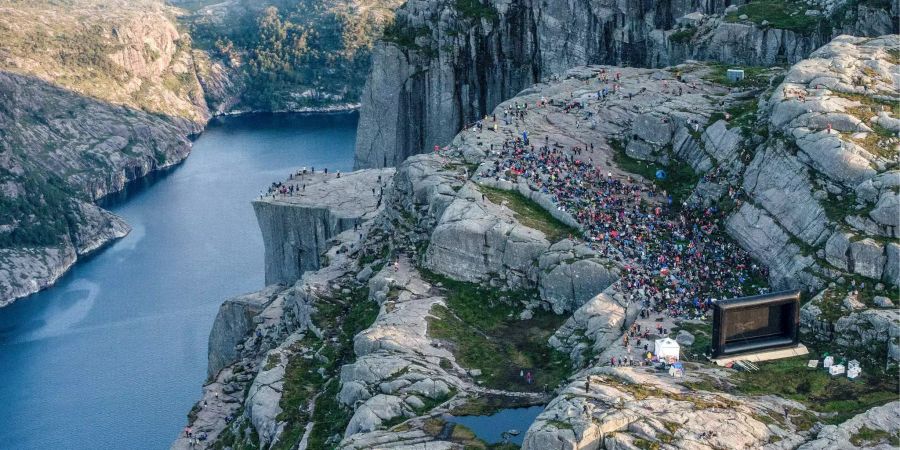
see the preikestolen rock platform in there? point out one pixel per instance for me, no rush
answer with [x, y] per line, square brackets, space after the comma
[301, 214]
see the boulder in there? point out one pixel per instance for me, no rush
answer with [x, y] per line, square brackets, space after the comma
[641, 150]
[569, 285]
[868, 258]
[652, 129]
[684, 338]
[887, 211]
[852, 303]
[862, 330]
[836, 250]
[594, 326]
[352, 392]
[373, 412]
[720, 142]
[263, 404]
[476, 240]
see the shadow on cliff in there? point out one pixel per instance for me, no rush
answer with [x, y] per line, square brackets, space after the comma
[97, 148]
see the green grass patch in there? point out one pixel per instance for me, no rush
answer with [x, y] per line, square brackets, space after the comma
[474, 9]
[683, 35]
[530, 214]
[484, 332]
[330, 417]
[237, 437]
[839, 398]
[893, 56]
[754, 77]
[702, 339]
[782, 14]
[680, 178]
[644, 444]
[868, 437]
[271, 361]
[877, 141]
[832, 300]
[302, 380]
[837, 208]
[743, 115]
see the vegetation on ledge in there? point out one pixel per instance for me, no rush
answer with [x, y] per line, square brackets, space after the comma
[868, 437]
[483, 330]
[683, 35]
[529, 213]
[41, 215]
[836, 398]
[782, 14]
[341, 319]
[403, 36]
[474, 9]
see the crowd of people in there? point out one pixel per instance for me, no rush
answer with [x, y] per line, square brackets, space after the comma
[675, 257]
[287, 188]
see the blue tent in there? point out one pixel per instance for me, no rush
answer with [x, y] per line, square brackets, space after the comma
[660, 174]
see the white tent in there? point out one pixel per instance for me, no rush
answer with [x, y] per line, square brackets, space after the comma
[665, 348]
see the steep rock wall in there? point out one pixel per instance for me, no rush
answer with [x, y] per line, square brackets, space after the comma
[441, 68]
[295, 238]
[233, 321]
[422, 93]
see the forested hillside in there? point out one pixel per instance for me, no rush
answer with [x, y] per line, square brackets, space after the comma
[292, 54]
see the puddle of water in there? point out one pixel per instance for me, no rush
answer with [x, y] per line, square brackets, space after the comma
[490, 428]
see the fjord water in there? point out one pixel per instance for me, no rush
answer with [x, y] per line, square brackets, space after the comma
[114, 355]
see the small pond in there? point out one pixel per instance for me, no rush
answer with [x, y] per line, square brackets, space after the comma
[490, 428]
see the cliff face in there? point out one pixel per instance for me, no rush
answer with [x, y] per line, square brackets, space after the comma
[425, 85]
[91, 97]
[234, 321]
[447, 63]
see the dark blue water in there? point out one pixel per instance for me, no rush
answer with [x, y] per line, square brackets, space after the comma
[114, 356]
[490, 428]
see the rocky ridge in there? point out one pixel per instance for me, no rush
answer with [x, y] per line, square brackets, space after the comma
[445, 63]
[93, 97]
